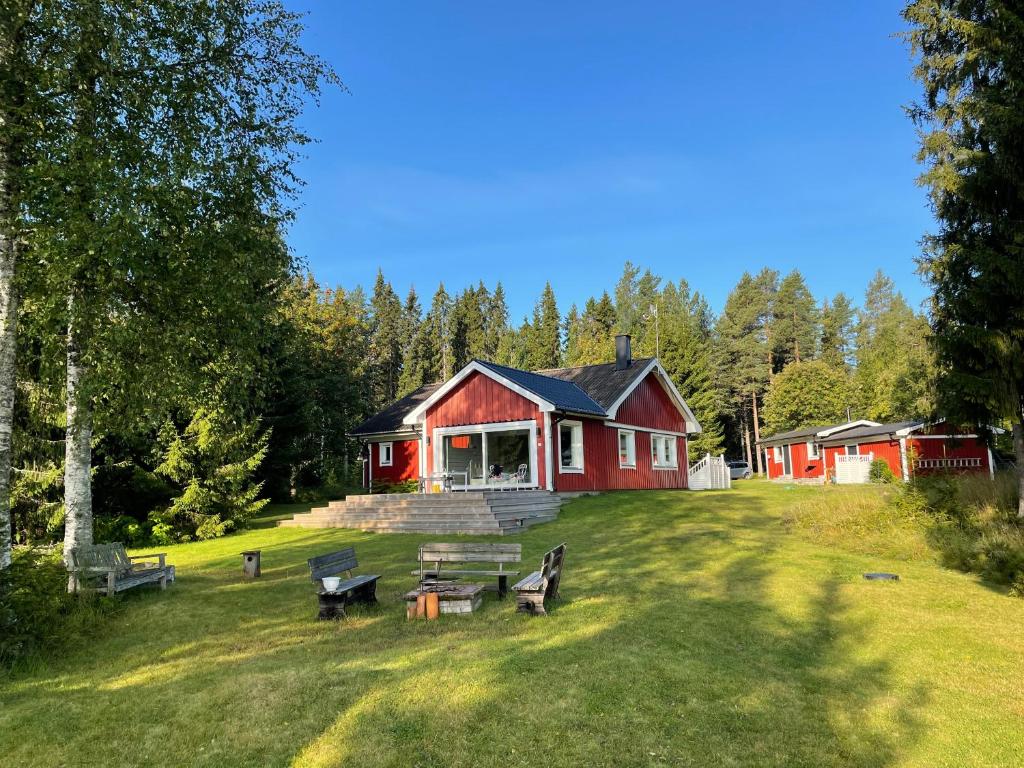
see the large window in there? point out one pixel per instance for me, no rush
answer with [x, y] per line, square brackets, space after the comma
[663, 452]
[570, 446]
[385, 454]
[627, 449]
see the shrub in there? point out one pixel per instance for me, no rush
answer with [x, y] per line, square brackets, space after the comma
[36, 611]
[880, 472]
[408, 486]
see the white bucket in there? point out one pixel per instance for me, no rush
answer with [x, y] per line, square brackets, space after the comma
[331, 583]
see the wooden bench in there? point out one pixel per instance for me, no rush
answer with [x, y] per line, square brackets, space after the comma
[540, 585]
[107, 568]
[352, 589]
[434, 558]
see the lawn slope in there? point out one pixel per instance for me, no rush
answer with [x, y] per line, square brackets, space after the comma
[695, 630]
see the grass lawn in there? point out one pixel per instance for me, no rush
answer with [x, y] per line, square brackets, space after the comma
[695, 629]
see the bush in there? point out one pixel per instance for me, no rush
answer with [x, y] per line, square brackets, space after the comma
[972, 524]
[36, 611]
[880, 472]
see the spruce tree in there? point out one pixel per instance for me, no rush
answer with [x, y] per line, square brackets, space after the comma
[496, 327]
[894, 375]
[837, 327]
[387, 325]
[544, 345]
[971, 120]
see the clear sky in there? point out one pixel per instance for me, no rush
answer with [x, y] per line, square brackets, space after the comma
[530, 141]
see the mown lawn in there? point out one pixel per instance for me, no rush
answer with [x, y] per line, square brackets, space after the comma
[694, 630]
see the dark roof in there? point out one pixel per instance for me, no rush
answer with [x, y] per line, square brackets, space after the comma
[795, 434]
[858, 433]
[564, 394]
[390, 419]
[602, 382]
[587, 389]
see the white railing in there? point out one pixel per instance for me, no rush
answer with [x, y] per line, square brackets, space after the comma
[970, 463]
[851, 470]
[710, 473]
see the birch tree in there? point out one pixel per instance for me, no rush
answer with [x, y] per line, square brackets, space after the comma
[163, 189]
[14, 75]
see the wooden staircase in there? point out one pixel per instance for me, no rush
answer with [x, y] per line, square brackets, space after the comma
[472, 512]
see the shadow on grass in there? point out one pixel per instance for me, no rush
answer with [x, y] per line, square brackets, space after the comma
[680, 640]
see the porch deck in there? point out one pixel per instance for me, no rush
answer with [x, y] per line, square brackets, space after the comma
[471, 512]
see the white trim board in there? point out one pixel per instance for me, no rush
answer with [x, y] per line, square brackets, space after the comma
[620, 425]
[499, 426]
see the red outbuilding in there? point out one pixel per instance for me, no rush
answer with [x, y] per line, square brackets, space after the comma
[844, 452]
[620, 425]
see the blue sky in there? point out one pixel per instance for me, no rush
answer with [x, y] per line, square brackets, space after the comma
[535, 141]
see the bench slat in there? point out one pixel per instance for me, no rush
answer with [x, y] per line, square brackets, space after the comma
[464, 572]
[332, 564]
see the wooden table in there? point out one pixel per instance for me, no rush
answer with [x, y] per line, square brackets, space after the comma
[453, 598]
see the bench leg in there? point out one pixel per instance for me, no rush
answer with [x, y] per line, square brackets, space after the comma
[531, 602]
[163, 581]
[366, 593]
[331, 607]
[502, 587]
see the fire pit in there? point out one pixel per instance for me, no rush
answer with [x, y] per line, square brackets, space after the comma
[453, 598]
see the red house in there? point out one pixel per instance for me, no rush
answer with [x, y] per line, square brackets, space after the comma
[620, 425]
[908, 447]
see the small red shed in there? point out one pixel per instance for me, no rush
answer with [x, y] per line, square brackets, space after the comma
[909, 448]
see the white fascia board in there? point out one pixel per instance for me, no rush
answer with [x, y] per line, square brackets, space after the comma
[416, 414]
[692, 425]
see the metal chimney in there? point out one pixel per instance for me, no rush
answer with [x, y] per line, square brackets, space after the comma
[623, 353]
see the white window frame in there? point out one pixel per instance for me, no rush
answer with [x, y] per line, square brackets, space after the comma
[380, 454]
[777, 454]
[657, 442]
[812, 450]
[577, 429]
[631, 448]
[439, 433]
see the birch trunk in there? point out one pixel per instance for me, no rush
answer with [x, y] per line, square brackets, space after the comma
[757, 435]
[77, 451]
[8, 320]
[8, 330]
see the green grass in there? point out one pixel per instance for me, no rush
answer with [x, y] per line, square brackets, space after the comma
[696, 629]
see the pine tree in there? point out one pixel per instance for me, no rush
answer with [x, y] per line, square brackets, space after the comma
[837, 326]
[972, 126]
[743, 331]
[468, 325]
[794, 323]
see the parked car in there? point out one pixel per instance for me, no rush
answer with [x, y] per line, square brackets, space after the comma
[739, 470]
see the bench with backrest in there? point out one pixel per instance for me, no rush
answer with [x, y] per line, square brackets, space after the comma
[108, 568]
[352, 589]
[540, 585]
[440, 562]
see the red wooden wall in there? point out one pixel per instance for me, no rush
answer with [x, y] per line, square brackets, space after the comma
[649, 405]
[405, 462]
[601, 470]
[964, 448]
[802, 466]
